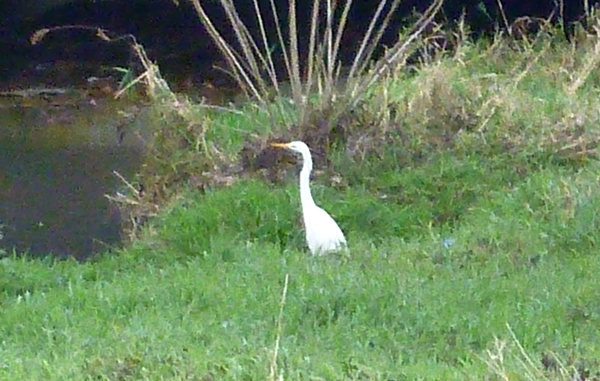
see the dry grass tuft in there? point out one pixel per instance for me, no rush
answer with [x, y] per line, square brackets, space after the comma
[317, 80]
[495, 100]
[509, 361]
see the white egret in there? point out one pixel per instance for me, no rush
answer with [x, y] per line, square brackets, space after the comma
[322, 233]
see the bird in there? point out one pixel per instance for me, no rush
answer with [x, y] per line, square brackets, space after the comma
[323, 234]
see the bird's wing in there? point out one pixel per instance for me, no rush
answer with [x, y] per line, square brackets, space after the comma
[322, 232]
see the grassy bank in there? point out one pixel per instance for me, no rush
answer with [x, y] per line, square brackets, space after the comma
[201, 296]
[468, 190]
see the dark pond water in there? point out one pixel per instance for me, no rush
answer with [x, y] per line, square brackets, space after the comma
[56, 166]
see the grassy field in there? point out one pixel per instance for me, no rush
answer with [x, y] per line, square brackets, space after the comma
[472, 223]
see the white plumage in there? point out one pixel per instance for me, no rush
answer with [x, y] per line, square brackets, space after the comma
[322, 233]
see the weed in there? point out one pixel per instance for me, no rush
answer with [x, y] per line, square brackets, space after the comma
[315, 77]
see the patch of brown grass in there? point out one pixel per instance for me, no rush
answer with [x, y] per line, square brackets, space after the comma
[489, 101]
[508, 360]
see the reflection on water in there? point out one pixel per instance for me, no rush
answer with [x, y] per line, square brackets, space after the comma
[52, 196]
[53, 202]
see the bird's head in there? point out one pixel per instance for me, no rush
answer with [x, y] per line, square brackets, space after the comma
[296, 146]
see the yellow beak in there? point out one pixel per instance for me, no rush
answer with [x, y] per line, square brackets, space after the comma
[280, 145]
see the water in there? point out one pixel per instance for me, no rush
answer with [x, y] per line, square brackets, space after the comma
[56, 165]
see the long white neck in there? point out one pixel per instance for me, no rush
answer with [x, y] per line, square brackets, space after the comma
[305, 195]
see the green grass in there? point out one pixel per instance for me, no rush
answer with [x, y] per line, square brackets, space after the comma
[471, 215]
[201, 293]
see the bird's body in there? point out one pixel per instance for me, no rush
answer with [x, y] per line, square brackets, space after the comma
[322, 233]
